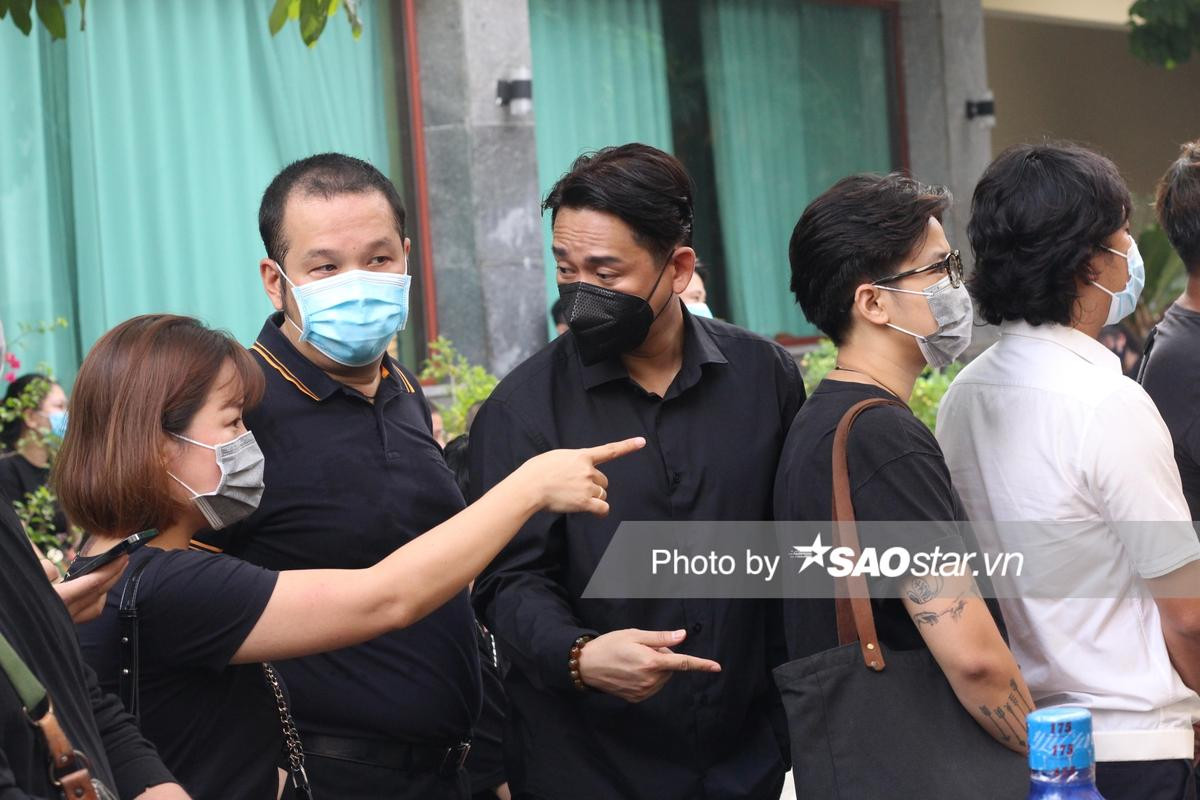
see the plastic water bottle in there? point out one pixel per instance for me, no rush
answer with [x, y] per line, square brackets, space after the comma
[1062, 761]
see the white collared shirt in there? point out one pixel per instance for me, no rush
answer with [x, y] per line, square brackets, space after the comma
[1044, 426]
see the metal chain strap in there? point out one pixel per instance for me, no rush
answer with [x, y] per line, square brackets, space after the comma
[291, 735]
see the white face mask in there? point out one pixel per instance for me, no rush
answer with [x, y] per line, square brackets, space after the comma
[952, 311]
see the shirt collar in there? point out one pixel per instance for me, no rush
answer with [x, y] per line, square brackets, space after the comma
[1068, 338]
[282, 356]
[699, 348]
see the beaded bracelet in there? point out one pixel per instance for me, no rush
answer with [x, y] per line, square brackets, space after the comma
[573, 662]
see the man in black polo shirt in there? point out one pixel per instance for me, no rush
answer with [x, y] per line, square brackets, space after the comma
[353, 473]
[1170, 371]
[714, 403]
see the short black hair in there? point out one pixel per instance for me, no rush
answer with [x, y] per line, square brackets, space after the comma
[1178, 205]
[456, 459]
[558, 312]
[324, 175]
[642, 186]
[858, 231]
[1038, 215]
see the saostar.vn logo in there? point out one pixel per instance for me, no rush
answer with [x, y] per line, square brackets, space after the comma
[840, 562]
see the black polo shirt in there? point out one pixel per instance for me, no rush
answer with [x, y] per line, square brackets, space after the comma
[348, 482]
[713, 443]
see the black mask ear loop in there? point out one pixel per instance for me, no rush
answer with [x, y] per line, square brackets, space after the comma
[661, 272]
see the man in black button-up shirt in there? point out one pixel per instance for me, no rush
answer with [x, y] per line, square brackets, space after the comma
[714, 403]
[353, 473]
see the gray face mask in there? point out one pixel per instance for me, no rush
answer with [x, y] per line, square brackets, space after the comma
[241, 486]
[954, 315]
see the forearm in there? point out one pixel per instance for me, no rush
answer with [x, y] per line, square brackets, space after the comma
[1184, 649]
[421, 576]
[345, 607]
[963, 638]
[996, 696]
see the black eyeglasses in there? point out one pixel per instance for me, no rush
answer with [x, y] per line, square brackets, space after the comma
[951, 265]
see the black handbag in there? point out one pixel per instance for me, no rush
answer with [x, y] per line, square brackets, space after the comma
[865, 726]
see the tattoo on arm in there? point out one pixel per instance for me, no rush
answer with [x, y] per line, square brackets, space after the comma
[922, 590]
[954, 611]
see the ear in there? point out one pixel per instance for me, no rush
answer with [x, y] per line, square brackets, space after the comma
[683, 260]
[407, 247]
[30, 418]
[272, 282]
[870, 304]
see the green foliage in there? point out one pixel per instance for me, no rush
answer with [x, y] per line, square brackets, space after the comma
[312, 16]
[50, 12]
[1164, 32]
[927, 392]
[1166, 278]
[469, 383]
[36, 510]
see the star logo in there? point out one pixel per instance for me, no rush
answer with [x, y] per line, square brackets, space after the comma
[812, 554]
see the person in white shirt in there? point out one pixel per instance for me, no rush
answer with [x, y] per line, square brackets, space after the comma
[1043, 426]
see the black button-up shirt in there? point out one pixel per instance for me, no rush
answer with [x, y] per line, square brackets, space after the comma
[348, 482]
[713, 443]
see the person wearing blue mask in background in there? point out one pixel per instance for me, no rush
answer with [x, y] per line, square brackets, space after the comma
[695, 296]
[353, 472]
[27, 444]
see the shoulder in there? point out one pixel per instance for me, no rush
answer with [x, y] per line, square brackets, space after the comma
[189, 576]
[744, 344]
[534, 376]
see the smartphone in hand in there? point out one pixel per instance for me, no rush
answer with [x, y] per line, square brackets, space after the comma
[125, 546]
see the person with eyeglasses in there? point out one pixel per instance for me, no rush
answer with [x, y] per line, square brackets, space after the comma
[872, 268]
[1044, 429]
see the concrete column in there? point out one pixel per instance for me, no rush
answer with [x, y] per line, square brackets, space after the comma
[945, 66]
[482, 166]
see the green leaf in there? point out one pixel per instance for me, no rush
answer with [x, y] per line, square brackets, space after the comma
[279, 16]
[20, 15]
[333, 7]
[313, 16]
[50, 12]
[83, 15]
[294, 9]
[3, 8]
[356, 27]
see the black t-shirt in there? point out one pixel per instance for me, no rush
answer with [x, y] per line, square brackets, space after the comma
[18, 478]
[1171, 376]
[349, 482]
[35, 622]
[216, 725]
[897, 474]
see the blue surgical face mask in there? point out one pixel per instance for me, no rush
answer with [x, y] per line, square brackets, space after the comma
[700, 310]
[58, 423]
[1125, 301]
[352, 317]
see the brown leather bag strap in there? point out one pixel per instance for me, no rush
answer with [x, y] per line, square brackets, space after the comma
[69, 768]
[855, 620]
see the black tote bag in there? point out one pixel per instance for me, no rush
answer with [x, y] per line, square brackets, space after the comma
[869, 727]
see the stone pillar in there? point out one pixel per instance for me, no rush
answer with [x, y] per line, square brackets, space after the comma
[945, 66]
[482, 167]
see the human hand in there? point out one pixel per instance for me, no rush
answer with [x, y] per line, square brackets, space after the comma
[84, 596]
[567, 481]
[164, 791]
[634, 664]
